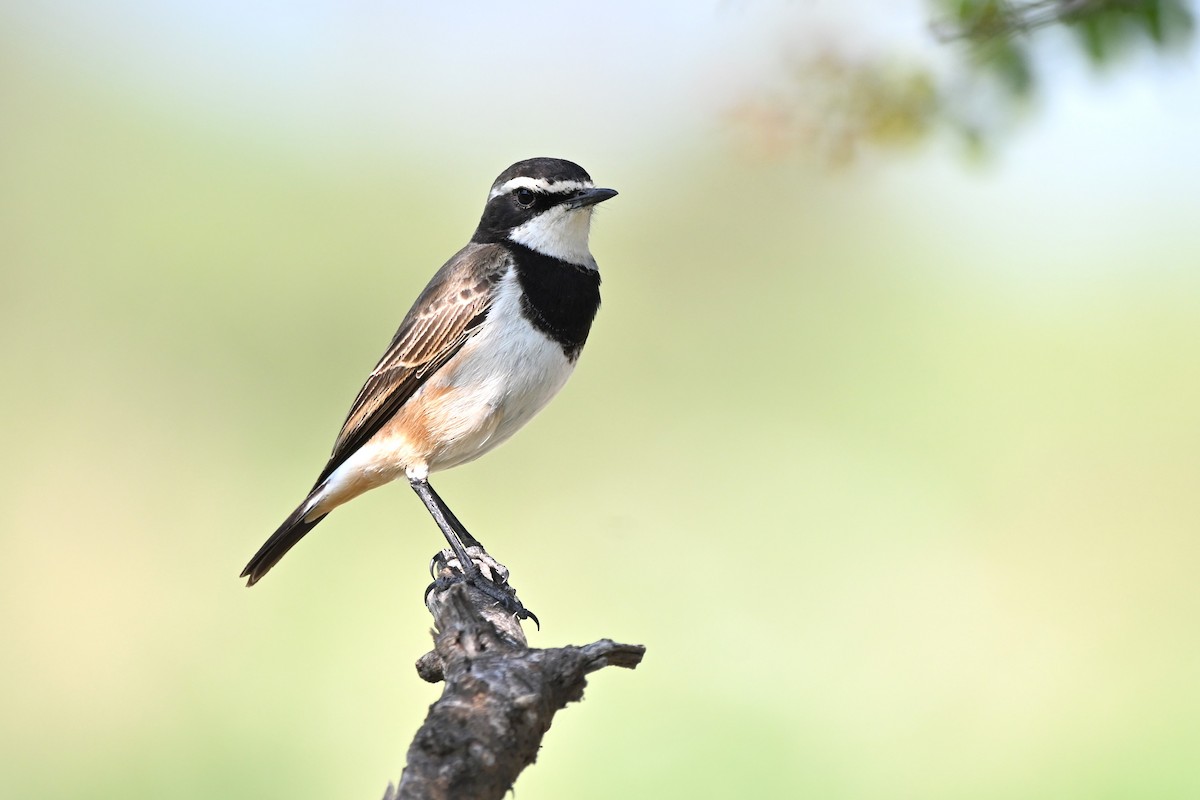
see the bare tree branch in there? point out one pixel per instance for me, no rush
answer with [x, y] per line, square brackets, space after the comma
[499, 699]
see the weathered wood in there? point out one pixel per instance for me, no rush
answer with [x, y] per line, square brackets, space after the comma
[500, 695]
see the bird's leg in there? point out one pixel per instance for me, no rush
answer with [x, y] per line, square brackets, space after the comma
[463, 534]
[492, 569]
[496, 588]
[452, 529]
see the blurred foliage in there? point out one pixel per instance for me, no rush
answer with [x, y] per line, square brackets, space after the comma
[841, 104]
[1105, 29]
[834, 104]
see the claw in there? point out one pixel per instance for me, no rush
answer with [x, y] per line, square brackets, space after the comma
[502, 594]
[440, 561]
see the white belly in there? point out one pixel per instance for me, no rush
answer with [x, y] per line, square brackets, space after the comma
[501, 378]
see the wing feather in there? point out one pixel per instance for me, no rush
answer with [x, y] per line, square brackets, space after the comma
[446, 314]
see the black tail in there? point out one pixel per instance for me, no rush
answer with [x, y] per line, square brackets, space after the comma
[291, 531]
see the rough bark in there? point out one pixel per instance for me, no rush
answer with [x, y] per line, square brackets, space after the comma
[500, 695]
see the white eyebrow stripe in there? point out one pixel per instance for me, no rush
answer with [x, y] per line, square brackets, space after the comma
[540, 185]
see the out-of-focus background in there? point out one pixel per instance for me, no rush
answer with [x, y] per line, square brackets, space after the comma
[886, 442]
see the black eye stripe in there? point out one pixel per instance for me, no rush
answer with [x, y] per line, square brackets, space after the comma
[528, 198]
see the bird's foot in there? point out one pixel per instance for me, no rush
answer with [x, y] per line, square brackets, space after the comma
[484, 573]
[481, 561]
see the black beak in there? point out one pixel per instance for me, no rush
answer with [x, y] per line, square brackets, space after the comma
[589, 197]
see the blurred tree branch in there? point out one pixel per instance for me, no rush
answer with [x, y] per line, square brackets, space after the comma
[985, 20]
[500, 695]
[834, 105]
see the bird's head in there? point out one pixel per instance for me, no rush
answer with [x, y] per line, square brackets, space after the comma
[544, 204]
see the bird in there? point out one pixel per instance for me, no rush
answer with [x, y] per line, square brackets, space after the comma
[490, 340]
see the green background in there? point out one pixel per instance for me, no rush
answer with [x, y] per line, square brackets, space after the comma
[894, 469]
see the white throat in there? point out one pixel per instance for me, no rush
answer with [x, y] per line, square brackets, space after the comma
[559, 233]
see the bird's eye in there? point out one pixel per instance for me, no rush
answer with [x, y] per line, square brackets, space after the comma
[525, 197]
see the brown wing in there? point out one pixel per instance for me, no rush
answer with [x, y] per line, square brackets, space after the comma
[442, 319]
